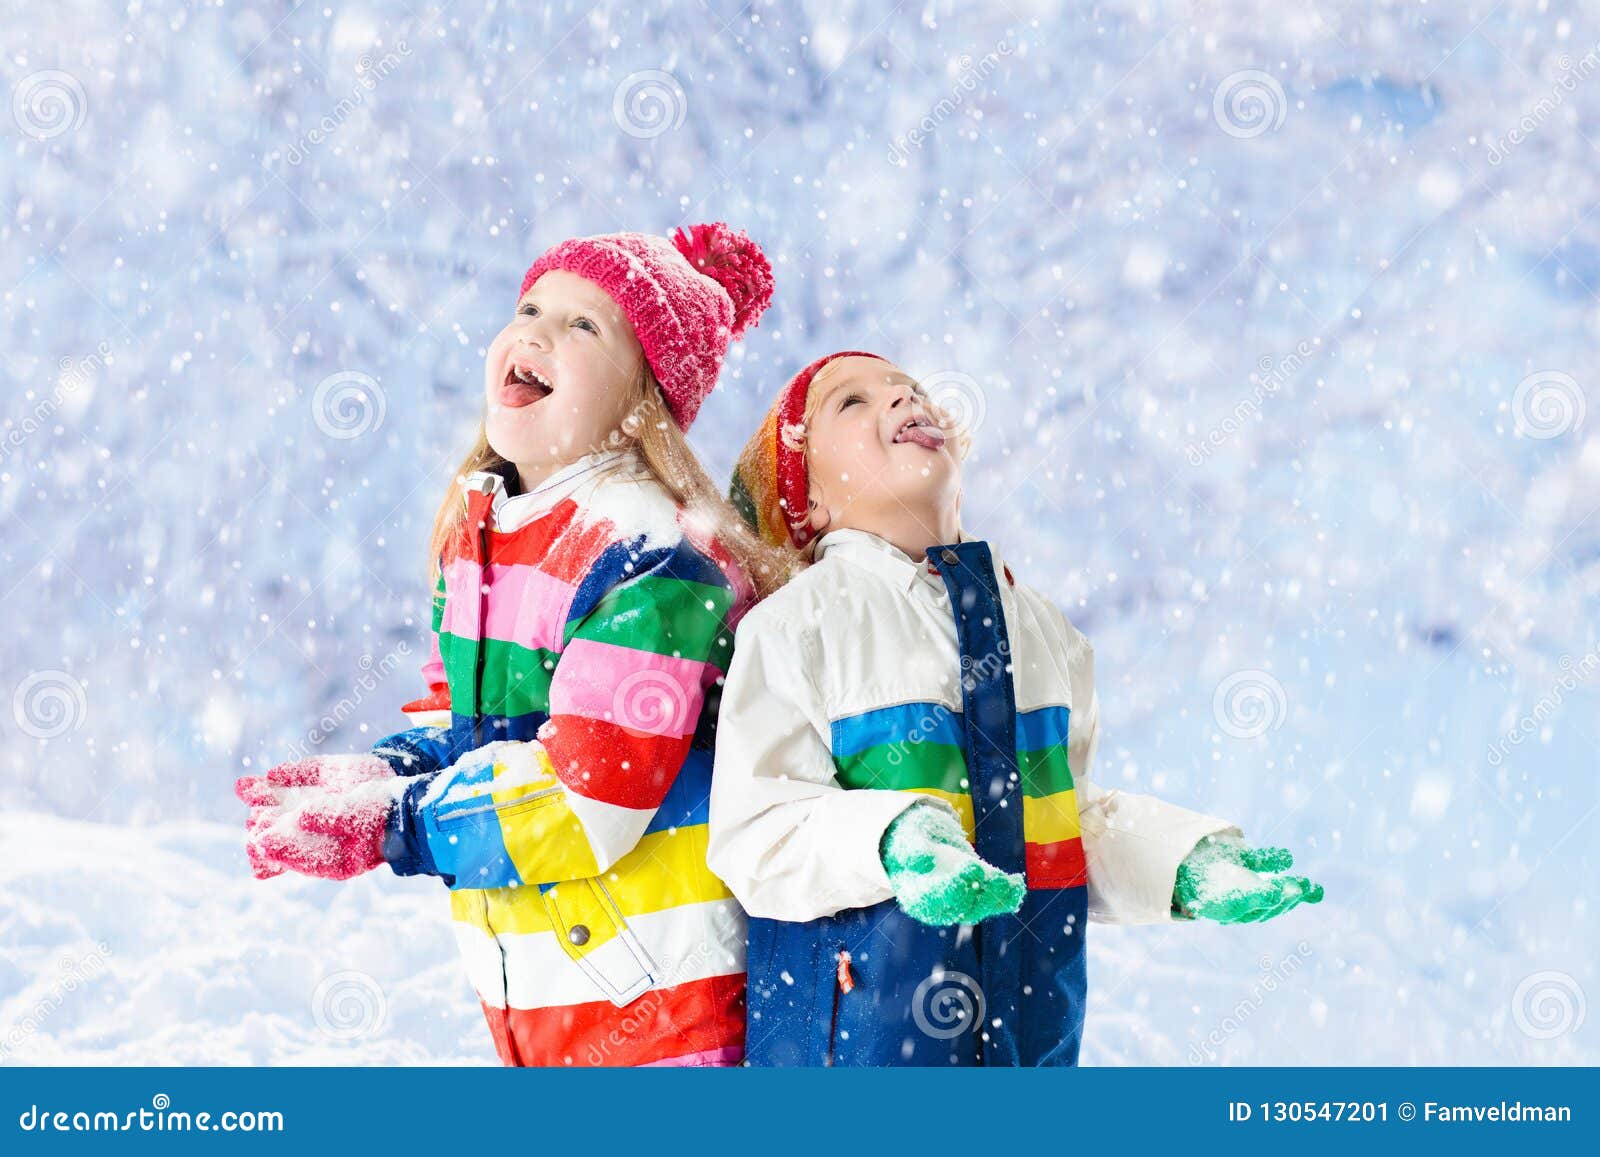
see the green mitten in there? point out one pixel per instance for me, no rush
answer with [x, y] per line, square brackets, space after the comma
[1225, 880]
[937, 877]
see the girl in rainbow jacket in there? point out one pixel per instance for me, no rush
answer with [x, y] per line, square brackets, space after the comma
[902, 798]
[589, 578]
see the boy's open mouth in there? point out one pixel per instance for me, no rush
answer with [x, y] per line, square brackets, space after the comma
[921, 431]
[523, 387]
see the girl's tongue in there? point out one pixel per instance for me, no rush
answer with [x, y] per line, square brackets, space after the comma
[518, 391]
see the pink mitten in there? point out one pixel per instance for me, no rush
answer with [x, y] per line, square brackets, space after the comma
[323, 816]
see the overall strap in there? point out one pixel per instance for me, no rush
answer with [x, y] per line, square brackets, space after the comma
[989, 717]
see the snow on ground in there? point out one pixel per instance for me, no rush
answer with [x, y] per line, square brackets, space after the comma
[150, 946]
[155, 946]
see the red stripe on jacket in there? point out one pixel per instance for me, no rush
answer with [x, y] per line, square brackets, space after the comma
[698, 1016]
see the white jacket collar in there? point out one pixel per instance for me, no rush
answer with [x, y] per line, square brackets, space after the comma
[886, 559]
[511, 511]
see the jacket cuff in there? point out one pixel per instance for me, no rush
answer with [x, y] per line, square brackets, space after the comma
[1203, 826]
[1133, 865]
[405, 843]
[861, 817]
[405, 755]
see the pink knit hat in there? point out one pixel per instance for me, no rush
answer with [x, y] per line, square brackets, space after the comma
[687, 300]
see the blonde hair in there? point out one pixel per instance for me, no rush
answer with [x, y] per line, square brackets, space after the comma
[651, 431]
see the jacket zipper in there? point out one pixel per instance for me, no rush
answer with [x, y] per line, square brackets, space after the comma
[844, 981]
[514, 1055]
[483, 618]
[477, 741]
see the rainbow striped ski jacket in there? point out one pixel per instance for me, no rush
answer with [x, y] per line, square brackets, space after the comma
[579, 628]
[870, 681]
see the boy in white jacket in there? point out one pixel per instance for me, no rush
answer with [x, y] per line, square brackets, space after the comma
[899, 801]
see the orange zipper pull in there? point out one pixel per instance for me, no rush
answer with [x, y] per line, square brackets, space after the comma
[847, 980]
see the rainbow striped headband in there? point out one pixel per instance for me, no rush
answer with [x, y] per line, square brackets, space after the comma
[770, 483]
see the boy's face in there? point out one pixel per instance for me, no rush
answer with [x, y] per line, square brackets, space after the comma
[559, 376]
[875, 448]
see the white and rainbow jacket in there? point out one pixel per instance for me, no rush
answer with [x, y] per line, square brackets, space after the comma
[842, 706]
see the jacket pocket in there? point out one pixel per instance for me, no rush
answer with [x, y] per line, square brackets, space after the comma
[444, 815]
[595, 935]
[466, 837]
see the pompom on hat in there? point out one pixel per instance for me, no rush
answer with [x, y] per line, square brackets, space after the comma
[687, 298]
[770, 483]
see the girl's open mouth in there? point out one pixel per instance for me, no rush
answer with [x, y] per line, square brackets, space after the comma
[921, 432]
[523, 387]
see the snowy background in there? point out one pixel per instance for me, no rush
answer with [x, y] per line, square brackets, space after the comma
[1275, 325]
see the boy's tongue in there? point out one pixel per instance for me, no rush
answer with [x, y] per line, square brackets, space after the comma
[930, 437]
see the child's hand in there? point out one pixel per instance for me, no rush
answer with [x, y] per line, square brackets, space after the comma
[937, 877]
[324, 816]
[1225, 880]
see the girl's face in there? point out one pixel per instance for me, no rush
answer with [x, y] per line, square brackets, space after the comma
[875, 447]
[560, 376]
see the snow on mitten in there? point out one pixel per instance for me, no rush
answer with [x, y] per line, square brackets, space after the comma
[1225, 880]
[937, 877]
[324, 816]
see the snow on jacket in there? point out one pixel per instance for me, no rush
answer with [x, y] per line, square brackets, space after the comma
[585, 615]
[857, 689]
